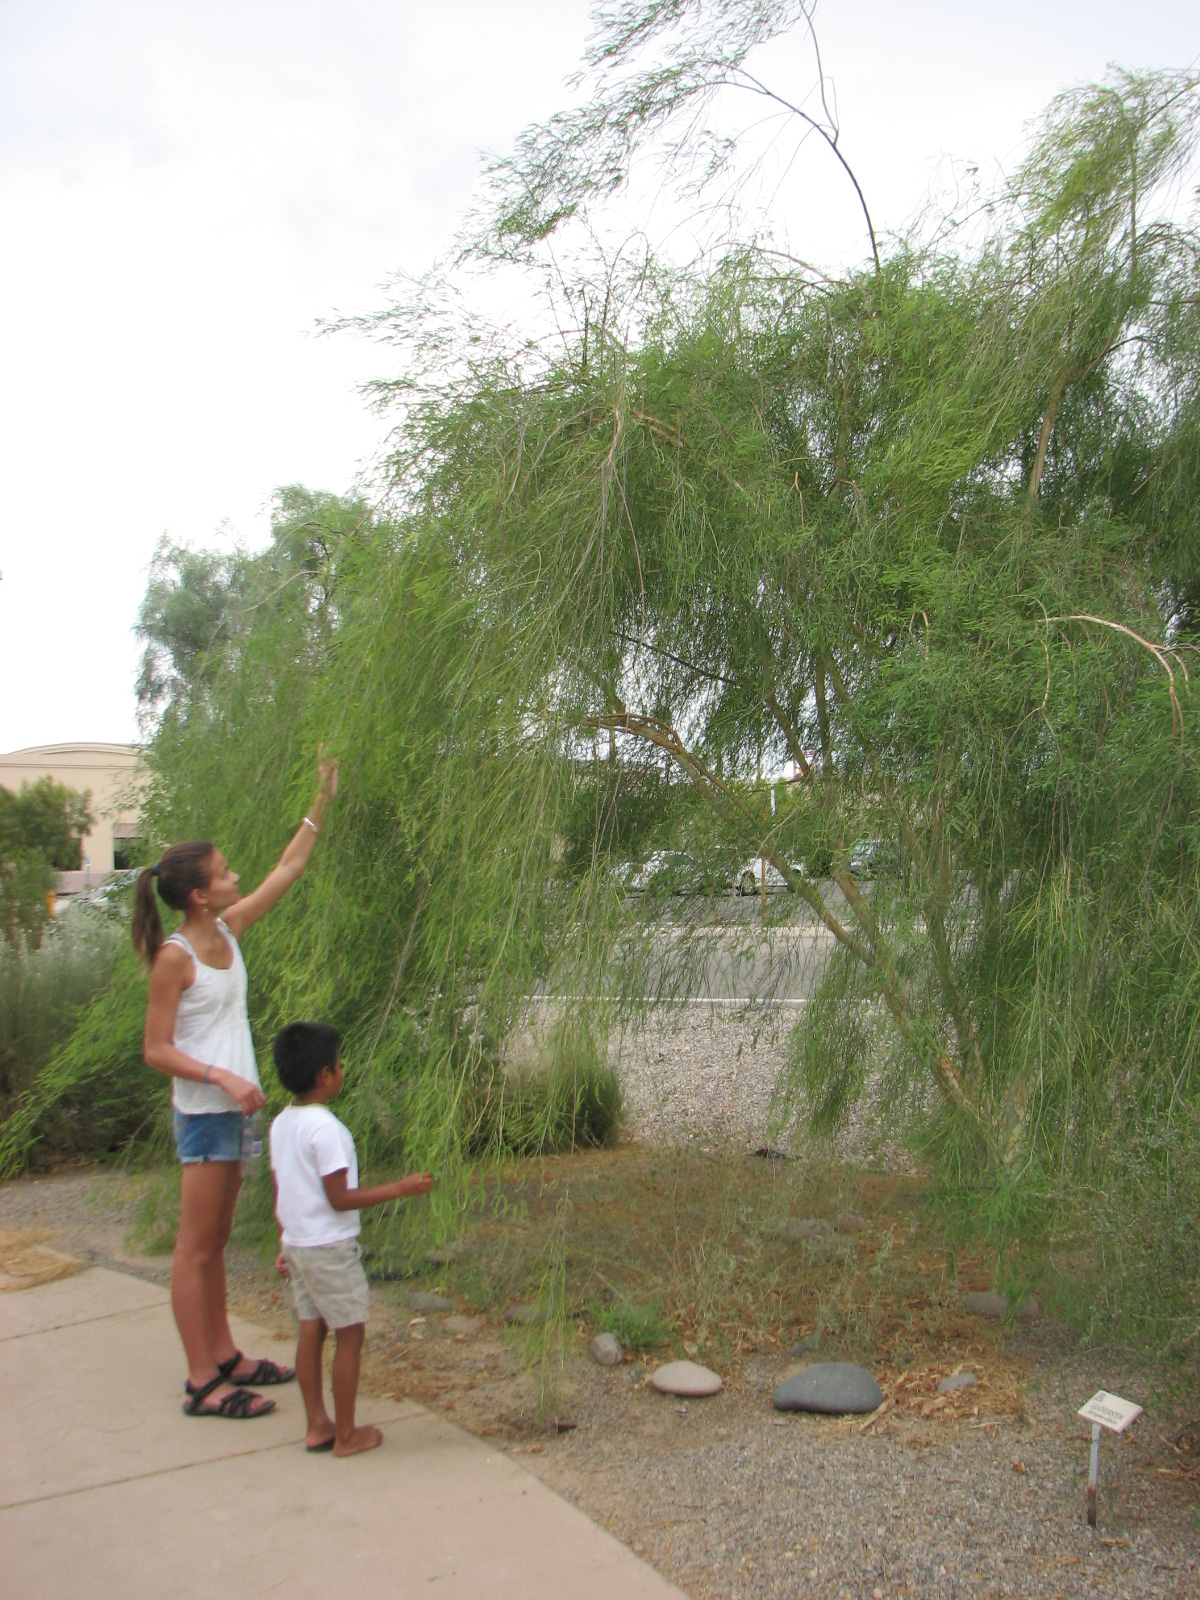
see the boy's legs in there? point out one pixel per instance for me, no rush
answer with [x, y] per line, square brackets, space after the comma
[348, 1439]
[309, 1350]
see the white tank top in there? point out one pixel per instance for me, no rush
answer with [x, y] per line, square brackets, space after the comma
[211, 1025]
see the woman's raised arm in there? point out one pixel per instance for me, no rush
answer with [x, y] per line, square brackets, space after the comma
[294, 859]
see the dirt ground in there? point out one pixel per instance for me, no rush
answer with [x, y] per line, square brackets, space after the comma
[980, 1493]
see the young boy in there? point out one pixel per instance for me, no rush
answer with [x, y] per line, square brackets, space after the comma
[317, 1201]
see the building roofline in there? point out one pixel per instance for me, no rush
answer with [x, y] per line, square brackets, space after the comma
[82, 748]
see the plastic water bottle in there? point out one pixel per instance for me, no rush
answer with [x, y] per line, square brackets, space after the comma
[252, 1143]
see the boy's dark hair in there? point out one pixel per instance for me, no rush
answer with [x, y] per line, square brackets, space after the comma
[301, 1050]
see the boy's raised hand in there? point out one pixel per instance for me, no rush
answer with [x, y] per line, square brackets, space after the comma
[414, 1183]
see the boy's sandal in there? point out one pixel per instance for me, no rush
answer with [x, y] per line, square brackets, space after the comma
[239, 1404]
[264, 1374]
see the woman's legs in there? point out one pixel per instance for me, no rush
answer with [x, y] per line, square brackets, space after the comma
[208, 1194]
[199, 1263]
[218, 1317]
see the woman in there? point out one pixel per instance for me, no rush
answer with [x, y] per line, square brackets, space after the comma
[198, 1033]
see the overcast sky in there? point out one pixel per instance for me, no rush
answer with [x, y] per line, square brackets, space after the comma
[188, 186]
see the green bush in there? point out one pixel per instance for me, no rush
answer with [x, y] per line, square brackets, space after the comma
[564, 1107]
[92, 1094]
[637, 1327]
[42, 992]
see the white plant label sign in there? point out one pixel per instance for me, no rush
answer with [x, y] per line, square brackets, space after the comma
[1110, 1411]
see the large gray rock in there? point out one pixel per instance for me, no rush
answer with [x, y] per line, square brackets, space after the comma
[685, 1378]
[832, 1388]
[421, 1300]
[606, 1350]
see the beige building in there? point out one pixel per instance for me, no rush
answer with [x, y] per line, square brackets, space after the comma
[114, 775]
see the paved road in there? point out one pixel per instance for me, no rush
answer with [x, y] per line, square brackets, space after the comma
[725, 952]
[106, 1488]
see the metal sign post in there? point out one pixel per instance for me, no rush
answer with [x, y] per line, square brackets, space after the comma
[1109, 1411]
[1093, 1475]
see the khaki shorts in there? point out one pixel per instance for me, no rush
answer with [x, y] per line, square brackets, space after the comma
[328, 1282]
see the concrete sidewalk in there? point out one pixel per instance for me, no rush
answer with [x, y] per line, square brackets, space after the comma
[106, 1488]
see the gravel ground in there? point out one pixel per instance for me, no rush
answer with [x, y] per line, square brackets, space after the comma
[729, 1499]
[703, 1074]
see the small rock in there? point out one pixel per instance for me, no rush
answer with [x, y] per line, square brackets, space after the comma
[420, 1300]
[796, 1229]
[990, 1303]
[805, 1347]
[986, 1303]
[463, 1325]
[606, 1350]
[832, 1388]
[957, 1381]
[524, 1316]
[849, 1222]
[685, 1378]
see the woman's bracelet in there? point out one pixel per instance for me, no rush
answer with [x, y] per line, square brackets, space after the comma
[208, 1072]
[312, 824]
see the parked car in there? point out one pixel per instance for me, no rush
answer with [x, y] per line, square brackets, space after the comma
[870, 856]
[749, 879]
[662, 872]
[110, 892]
[671, 872]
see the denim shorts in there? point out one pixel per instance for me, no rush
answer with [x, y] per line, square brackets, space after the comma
[209, 1136]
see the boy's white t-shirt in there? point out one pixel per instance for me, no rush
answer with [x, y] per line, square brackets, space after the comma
[307, 1144]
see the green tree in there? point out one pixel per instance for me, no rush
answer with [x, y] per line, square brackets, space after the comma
[41, 832]
[200, 604]
[926, 529]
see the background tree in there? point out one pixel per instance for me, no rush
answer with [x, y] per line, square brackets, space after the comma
[41, 832]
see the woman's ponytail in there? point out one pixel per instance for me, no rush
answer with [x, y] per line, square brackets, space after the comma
[179, 870]
[147, 925]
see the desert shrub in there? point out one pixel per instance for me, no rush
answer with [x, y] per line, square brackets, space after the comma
[638, 1327]
[43, 989]
[568, 1106]
[94, 1094]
